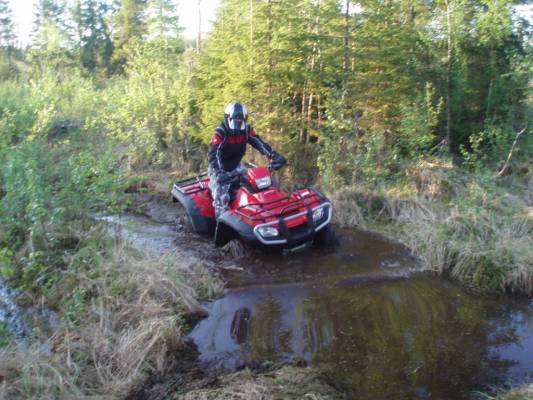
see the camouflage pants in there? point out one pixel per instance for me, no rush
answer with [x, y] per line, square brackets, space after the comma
[220, 191]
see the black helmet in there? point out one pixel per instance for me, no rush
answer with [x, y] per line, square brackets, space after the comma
[235, 116]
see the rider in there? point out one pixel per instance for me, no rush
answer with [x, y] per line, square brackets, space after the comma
[227, 149]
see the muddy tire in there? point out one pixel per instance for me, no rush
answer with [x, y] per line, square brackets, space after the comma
[326, 238]
[183, 223]
[235, 248]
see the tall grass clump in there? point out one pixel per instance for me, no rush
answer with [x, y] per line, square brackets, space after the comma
[523, 392]
[123, 319]
[467, 225]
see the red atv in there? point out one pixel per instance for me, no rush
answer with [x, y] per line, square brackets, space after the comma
[259, 211]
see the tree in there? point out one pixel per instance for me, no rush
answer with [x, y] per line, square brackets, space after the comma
[94, 41]
[162, 20]
[51, 41]
[49, 28]
[7, 41]
[7, 29]
[129, 25]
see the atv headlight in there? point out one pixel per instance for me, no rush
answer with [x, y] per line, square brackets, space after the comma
[318, 214]
[263, 183]
[268, 231]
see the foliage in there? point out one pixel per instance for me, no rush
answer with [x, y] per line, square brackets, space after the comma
[155, 111]
[467, 226]
[7, 31]
[373, 99]
[119, 323]
[54, 174]
[92, 34]
[5, 337]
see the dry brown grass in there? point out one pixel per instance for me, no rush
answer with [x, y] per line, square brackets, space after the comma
[132, 327]
[348, 211]
[432, 178]
[524, 392]
[285, 383]
[466, 227]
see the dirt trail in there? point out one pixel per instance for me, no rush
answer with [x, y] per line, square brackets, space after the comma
[347, 318]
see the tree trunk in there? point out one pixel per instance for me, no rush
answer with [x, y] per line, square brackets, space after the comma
[303, 130]
[199, 37]
[346, 39]
[449, 61]
[252, 81]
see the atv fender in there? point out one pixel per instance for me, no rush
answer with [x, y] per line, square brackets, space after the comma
[224, 234]
[202, 225]
[230, 226]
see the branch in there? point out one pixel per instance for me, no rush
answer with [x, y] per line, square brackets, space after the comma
[510, 155]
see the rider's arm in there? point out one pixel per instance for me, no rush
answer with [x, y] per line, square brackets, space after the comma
[259, 144]
[213, 155]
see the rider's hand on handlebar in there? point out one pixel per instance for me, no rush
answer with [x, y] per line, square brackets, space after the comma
[277, 161]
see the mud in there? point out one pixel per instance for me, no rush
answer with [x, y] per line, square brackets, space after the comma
[362, 315]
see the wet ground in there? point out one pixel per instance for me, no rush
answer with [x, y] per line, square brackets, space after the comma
[378, 327]
[364, 314]
[11, 314]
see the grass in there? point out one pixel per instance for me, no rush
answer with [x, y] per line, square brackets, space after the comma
[524, 392]
[288, 382]
[130, 324]
[469, 226]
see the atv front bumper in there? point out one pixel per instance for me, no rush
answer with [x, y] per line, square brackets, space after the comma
[317, 218]
[277, 232]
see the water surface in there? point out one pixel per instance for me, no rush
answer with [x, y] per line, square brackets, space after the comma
[379, 329]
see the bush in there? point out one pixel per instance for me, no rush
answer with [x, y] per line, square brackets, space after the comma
[154, 113]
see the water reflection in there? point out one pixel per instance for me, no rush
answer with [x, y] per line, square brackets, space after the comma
[408, 338]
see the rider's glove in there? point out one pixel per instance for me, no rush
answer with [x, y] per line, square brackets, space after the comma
[277, 161]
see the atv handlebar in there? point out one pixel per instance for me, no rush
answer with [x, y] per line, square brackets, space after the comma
[276, 165]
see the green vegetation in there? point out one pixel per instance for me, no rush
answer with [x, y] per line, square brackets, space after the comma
[408, 113]
[122, 320]
[468, 225]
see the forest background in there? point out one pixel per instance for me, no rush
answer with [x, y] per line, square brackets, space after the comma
[415, 116]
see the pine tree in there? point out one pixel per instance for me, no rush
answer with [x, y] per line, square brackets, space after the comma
[7, 42]
[372, 76]
[49, 27]
[129, 26]
[7, 29]
[163, 20]
[94, 41]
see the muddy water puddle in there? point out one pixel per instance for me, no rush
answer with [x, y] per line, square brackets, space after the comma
[379, 329]
[363, 314]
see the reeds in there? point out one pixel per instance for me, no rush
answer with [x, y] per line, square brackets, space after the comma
[132, 326]
[465, 226]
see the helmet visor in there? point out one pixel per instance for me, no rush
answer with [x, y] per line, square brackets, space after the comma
[236, 123]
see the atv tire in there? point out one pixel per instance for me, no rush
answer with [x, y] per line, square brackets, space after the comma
[326, 238]
[236, 249]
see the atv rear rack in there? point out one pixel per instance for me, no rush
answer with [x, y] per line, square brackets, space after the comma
[179, 185]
